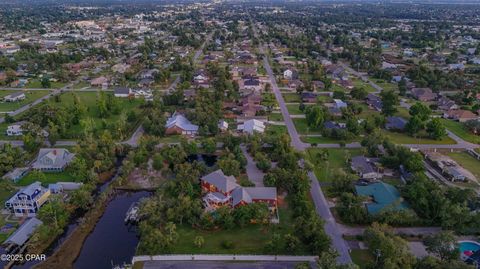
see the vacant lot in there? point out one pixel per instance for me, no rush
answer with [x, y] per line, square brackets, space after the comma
[403, 138]
[248, 240]
[468, 162]
[337, 159]
[460, 130]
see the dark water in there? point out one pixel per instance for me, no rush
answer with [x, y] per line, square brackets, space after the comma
[111, 242]
[208, 160]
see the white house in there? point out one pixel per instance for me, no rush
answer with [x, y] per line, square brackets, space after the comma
[222, 125]
[289, 74]
[15, 97]
[15, 129]
[339, 103]
[252, 126]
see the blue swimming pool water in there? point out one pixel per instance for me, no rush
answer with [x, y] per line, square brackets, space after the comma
[469, 246]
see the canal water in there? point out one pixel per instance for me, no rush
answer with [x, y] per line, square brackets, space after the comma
[112, 242]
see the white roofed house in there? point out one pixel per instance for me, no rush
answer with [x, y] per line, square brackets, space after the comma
[15, 97]
[252, 126]
[178, 124]
[52, 159]
[15, 129]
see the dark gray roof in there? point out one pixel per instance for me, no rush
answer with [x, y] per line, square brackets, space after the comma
[361, 164]
[397, 123]
[221, 181]
[122, 90]
[22, 234]
[248, 194]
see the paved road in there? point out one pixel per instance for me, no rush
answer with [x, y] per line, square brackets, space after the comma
[218, 265]
[254, 174]
[320, 202]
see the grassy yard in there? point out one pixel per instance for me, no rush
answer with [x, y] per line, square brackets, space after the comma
[385, 85]
[302, 127]
[278, 129]
[49, 178]
[275, 117]
[291, 97]
[337, 159]
[325, 140]
[30, 97]
[361, 84]
[38, 84]
[403, 138]
[460, 130]
[402, 112]
[467, 161]
[248, 240]
[294, 110]
[362, 257]
[81, 84]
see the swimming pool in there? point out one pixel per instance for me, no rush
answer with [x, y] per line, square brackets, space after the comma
[468, 245]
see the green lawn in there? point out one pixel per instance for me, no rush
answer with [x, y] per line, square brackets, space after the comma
[30, 97]
[278, 129]
[337, 159]
[50, 178]
[38, 84]
[361, 84]
[275, 117]
[403, 138]
[81, 84]
[291, 97]
[402, 112]
[248, 240]
[361, 257]
[467, 161]
[325, 140]
[459, 129]
[385, 85]
[302, 127]
[294, 110]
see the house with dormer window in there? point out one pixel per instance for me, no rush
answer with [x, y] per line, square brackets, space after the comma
[52, 159]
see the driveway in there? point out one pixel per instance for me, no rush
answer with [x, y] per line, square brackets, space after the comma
[254, 174]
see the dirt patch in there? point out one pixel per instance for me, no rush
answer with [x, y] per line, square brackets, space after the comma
[144, 179]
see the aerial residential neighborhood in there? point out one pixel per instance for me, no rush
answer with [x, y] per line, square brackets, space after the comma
[240, 134]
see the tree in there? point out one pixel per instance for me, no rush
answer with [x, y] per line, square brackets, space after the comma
[359, 93]
[46, 82]
[390, 250]
[53, 134]
[315, 116]
[389, 102]
[436, 129]
[229, 165]
[262, 162]
[420, 110]
[82, 197]
[209, 145]
[199, 241]
[414, 125]
[443, 245]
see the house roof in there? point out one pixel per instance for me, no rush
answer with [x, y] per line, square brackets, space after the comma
[248, 194]
[250, 126]
[180, 121]
[394, 122]
[60, 158]
[122, 90]
[15, 94]
[361, 164]
[221, 181]
[383, 195]
[22, 234]
[461, 114]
